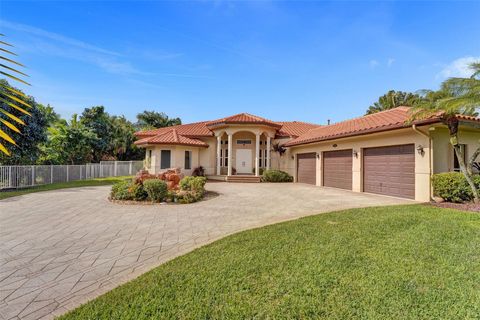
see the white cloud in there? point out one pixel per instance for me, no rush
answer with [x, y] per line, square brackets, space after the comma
[374, 63]
[458, 68]
[390, 61]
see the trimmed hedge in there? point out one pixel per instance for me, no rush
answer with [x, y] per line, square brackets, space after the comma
[120, 191]
[453, 187]
[276, 176]
[156, 189]
[191, 183]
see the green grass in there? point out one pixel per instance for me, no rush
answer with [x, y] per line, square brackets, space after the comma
[63, 185]
[401, 262]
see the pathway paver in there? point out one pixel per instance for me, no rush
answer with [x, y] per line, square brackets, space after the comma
[59, 249]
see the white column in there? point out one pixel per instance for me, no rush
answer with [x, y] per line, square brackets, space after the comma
[257, 154]
[219, 147]
[230, 142]
[268, 153]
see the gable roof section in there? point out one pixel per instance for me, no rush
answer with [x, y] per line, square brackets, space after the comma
[243, 118]
[295, 128]
[196, 129]
[382, 121]
[172, 137]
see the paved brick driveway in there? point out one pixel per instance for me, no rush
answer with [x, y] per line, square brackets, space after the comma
[59, 249]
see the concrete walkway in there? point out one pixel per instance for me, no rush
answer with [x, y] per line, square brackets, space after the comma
[60, 249]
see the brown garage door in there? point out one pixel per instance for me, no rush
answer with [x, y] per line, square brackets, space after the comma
[306, 164]
[390, 171]
[337, 169]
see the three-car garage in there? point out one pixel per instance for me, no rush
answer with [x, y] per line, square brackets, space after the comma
[386, 170]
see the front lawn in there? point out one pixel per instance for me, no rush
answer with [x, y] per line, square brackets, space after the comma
[63, 185]
[402, 262]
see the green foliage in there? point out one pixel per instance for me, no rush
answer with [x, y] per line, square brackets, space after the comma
[398, 262]
[137, 192]
[453, 187]
[120, 191]
[33, 133]
[69, 143]
[191, 183]
[189, 196]
[152, 119]
[156, 189]
[276, 176]
[393, 99]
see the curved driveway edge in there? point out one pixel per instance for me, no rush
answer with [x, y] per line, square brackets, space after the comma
[61, 248]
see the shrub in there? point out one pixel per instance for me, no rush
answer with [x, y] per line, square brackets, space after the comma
[260, 171]
[453, 187]
[198, 172]
[189, 196]
[276, 176]
[137, 192]
[120, 191]
[191, 183]
[156, 189]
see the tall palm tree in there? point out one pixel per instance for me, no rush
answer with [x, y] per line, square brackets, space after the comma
[12, 101]
[457, 96]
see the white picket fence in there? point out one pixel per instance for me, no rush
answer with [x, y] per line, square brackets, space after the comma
[16, 177]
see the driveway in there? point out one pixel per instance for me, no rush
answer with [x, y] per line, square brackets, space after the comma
[60, 249]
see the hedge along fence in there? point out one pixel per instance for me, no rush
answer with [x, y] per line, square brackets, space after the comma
[453, 187]
[16, 177]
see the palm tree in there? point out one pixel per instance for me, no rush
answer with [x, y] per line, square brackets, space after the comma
[457, 96]
[12, 101]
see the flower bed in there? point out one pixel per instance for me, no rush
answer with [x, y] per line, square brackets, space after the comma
[162, 188]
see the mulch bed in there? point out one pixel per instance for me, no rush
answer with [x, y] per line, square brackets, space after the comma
[207, 196]
[458, 206]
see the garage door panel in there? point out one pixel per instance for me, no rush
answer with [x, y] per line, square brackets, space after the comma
[390, 170]
[306, 168]
[337, 169]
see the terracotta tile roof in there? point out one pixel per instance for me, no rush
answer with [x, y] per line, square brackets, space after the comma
[243, 118]
[196, 129]
[294, 128]
[171, 136]
[396, 118]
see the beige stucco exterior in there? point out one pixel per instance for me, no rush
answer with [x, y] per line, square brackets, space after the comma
[437, 155]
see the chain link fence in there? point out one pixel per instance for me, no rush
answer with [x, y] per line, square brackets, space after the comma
[16, 177]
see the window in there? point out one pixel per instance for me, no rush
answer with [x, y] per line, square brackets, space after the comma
[266, 159]
[456, 164]
[165, 159]
[149, 158]
[241, 141]
[226, 158]
[188, 160]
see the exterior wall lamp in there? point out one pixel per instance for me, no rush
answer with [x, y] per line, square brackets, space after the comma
[420, 150]
[318, 155]
[355, 153]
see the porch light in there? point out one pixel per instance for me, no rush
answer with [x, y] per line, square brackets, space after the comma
[355, 153]
[318, 155]
[420, 150]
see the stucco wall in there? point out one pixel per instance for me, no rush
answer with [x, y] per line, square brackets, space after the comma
[443, 151]
[177, 159]
[399, 137]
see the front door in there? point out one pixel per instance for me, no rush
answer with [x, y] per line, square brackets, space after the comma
[244, 161]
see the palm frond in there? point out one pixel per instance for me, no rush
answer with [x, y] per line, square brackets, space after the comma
[10, 98]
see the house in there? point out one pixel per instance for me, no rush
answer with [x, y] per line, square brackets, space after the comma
[380, 153]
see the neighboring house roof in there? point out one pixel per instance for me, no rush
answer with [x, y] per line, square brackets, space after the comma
[295, 128]
[171, 136]
[196, 129]
[243, 118]
[382, 121]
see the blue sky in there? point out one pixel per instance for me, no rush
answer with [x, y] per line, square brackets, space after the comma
[308, 61]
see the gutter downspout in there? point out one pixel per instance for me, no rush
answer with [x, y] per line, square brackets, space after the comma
[430, 155]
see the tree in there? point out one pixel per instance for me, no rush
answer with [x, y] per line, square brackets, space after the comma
[393, 99]
[152, 119]
[457, 96]
[96, 119]
[69, 143]
[123, 140]
[26, 150]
